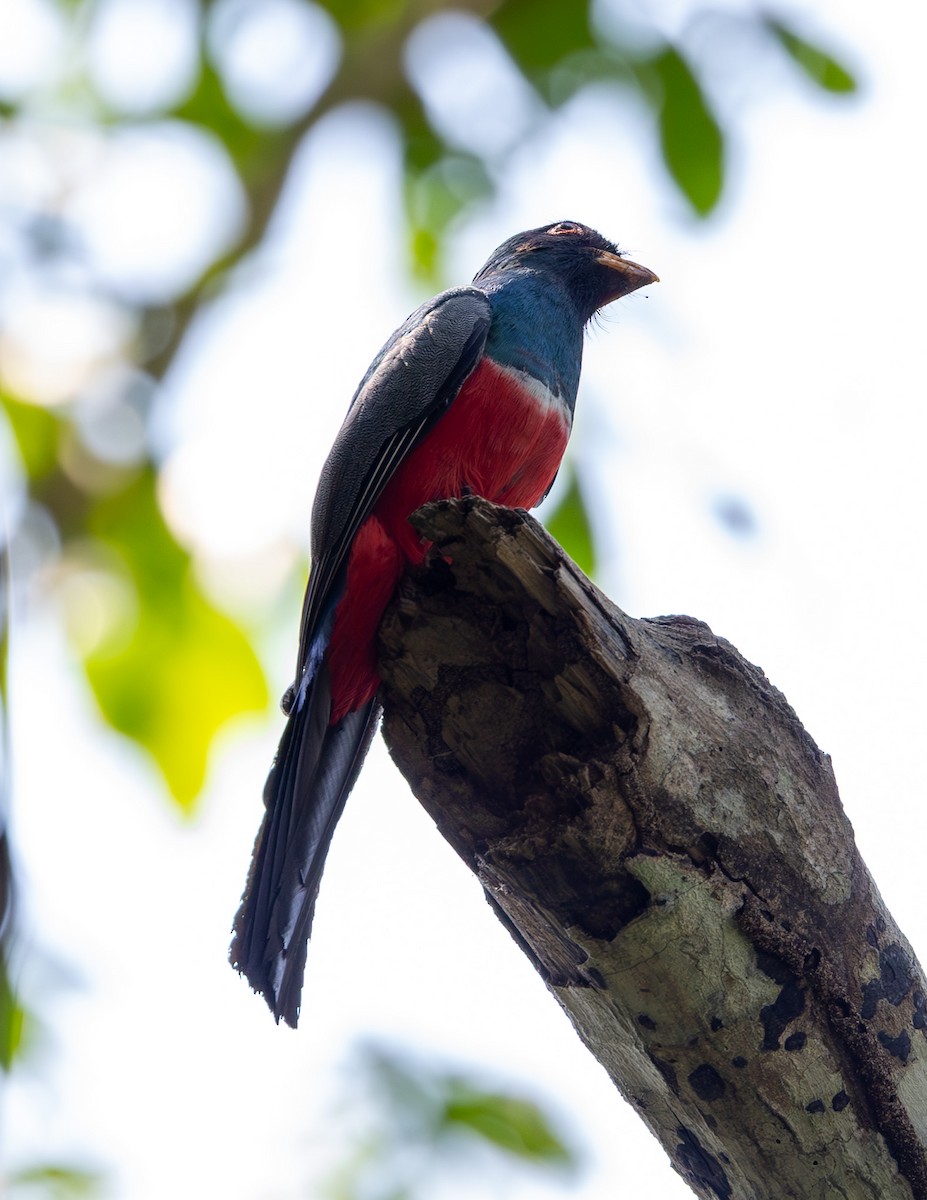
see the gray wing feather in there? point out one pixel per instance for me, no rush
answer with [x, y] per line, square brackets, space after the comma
[416, 375]
[410, 383]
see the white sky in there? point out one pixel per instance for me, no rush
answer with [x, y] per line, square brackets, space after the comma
[780, 360]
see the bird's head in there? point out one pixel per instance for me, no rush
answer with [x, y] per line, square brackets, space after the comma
[589, 266]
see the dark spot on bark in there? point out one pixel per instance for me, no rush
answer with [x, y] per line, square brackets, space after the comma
[507, 621]
[707, 1083]
[796, 1041]
[919, 1020]
[774, 967]
[787, 926]
[894, 982]
[705, 848]
[595, 977]
[609, 909]
[899, 1046]
[872, 937]
[738, 1061]
[895, 973]
[699, 1167]
[716, 1024]
[815, 1106]
[880, 924]
[789, 1004]
[872, 994]
[840, 1101]
[812, 960]
[669, 1075]
[647, 1021]
[439, 576]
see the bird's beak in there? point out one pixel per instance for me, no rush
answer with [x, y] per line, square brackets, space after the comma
[629, 276]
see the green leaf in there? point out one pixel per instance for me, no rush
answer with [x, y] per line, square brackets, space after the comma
[820, 67]
[691, 139]
[424, 249]
[12, 1014]
[182, 668]
[37, 432]
[509, 1123]
[360, 16]
[540, 34]
[56, 1181]
[569, 524]
[422, 146]
[418, 1119]
[435, 197]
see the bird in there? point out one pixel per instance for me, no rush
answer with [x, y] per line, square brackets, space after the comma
[473, 394]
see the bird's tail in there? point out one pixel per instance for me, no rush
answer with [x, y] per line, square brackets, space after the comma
[314, 771]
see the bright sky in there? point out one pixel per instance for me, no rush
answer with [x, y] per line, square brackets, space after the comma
[780, 362]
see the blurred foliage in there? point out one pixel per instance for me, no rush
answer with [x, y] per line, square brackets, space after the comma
[569, 524]
[820, 67]
[690, 136]
[12, 1014]
[51, 1181]
[57, 1182]
[167, 668]
[420, 1122]
[184, 668]
[11, 1011]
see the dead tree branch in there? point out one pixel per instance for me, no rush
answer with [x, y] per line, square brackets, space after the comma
[667, 844]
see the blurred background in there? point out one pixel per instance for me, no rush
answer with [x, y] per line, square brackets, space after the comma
[212, 214]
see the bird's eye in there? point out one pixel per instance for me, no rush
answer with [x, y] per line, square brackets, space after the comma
[564, 227]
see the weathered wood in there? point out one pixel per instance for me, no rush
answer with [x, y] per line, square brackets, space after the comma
[667, 844]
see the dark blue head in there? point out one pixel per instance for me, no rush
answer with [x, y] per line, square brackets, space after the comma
[587, 265]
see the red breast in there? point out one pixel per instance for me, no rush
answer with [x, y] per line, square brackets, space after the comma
[503, 438]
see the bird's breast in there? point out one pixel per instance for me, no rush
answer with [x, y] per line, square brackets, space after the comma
[502, 437]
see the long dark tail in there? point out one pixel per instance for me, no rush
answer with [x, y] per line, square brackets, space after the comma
[304, 796]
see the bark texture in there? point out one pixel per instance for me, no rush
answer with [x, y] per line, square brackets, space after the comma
[667, 844]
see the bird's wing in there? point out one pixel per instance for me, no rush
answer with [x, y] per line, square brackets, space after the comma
[410, 384]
